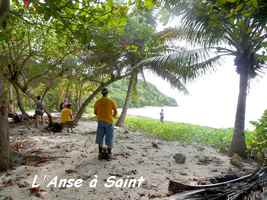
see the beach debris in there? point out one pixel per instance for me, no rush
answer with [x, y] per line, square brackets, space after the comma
[236, 160]
[225, 187]
[204, 160]
[38, 192]
[155, 145]
[70, 171]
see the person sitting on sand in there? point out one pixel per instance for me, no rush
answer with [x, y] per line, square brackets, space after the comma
[66, 116]
[105, 110]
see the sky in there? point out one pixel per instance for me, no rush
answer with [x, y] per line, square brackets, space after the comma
[213, 97]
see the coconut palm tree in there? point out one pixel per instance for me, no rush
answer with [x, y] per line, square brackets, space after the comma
[144, 42]
[175, 65]
[225, 28]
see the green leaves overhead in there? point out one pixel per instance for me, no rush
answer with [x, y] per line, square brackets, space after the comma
[210, 22]
[149, 4]
[81, 19]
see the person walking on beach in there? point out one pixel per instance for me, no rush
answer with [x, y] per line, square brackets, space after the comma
[161, 116]
[105, 110]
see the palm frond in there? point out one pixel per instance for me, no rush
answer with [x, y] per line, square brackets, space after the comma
[197, 25]
[143, 77]
[172, 78]
[186, 65]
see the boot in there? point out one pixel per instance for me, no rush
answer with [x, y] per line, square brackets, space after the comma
[109, 156]
[100, 155]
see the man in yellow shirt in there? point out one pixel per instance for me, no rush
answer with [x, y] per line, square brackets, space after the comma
[105, 110]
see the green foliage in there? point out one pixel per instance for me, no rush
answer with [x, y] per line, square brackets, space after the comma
[259, 140]
[147, 95]
[185, 133]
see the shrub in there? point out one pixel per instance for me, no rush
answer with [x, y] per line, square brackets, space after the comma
[259, 138]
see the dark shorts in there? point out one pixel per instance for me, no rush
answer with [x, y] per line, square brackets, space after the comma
[104, 130]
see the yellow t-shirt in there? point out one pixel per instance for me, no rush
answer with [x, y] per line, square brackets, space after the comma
[105, 110]
[66, 115]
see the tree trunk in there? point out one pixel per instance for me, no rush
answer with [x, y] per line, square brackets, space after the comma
[12, 107]
[4, 9]
[45, 92]
[86, 103]
[67, 92]
[20, 104]
[123, 114]
[4, 135]
[80, 96]
[238, 144]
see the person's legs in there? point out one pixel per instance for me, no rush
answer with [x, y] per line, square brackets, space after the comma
[42, 119]
[99, 138]
[37, 120]
[109, 138]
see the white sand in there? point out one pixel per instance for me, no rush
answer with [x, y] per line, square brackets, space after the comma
[134, 156]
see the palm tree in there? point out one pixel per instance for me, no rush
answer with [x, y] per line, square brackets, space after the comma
[131, 85]
[227, 28]
[147, 44]
[171, 65]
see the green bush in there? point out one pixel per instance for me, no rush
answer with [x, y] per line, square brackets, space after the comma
[259, 138]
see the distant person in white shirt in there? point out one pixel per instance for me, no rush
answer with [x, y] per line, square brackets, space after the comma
[161, 115]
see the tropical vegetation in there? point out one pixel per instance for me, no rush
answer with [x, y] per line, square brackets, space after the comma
[73, 49]
[259, 141]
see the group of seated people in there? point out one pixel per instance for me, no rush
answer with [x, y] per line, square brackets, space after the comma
[66, 116]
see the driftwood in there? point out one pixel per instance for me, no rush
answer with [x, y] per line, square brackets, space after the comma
[249, 187]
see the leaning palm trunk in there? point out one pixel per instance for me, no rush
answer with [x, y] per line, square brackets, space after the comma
[20, 103]
[238, 144]
[89, 99]
[123, 114]
[85, 104]
[4, 136]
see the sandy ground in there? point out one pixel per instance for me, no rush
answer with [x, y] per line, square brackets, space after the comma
[135, 156]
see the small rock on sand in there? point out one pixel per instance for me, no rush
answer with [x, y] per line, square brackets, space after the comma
[179, 158]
